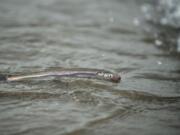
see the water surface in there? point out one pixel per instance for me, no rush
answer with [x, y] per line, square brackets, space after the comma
[113, 35]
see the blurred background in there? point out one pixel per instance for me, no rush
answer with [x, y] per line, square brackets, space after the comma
[138, 39]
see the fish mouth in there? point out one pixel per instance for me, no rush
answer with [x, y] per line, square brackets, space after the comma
[116, 78]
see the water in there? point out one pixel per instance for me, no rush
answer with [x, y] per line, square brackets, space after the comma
[113, 35]
[164, 15]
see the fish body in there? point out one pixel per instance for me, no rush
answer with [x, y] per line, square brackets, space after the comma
[103, 74]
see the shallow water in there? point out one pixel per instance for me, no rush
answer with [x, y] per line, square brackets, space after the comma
[113, 35]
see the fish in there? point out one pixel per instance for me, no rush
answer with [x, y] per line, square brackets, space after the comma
[99, 73]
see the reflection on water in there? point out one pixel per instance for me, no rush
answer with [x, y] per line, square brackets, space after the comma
[114, 35]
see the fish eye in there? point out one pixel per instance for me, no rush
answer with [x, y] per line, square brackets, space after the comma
[110, 75]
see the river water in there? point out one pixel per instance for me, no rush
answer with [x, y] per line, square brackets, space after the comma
[124, 36]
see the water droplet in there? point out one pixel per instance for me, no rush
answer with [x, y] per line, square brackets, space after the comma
[159, 62]
[158, 42]
[136, 22]
[145, 7]
[146, 10]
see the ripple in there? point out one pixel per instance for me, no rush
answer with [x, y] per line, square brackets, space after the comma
[156, 77]
[117, 30]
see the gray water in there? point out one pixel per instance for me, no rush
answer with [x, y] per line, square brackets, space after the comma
[38, 35]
